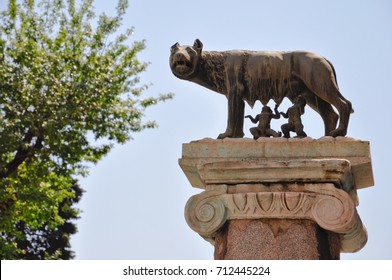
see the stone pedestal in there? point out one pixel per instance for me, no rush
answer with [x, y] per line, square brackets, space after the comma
[278, 198]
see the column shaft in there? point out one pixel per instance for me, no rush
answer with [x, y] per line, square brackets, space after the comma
[275, 239]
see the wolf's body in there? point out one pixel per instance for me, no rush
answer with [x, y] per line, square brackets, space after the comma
[250, 76]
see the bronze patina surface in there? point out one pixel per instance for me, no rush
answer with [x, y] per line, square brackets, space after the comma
[249, 76]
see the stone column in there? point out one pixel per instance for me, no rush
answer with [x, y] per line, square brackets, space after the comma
[278, 198]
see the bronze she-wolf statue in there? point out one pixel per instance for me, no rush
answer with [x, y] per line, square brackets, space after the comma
[252, 75]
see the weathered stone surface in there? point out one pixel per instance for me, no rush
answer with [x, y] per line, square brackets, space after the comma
[275, 239]
[331, 208]
[207, 152]
[336, 171]
[290, 198]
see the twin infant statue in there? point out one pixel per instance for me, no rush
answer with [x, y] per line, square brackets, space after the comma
[293, 115]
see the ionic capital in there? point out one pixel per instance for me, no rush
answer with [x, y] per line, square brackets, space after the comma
[331, 208]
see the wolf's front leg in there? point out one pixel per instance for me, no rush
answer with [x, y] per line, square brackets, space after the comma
[235, 118]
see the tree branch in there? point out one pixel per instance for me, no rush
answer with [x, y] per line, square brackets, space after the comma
[22, 154]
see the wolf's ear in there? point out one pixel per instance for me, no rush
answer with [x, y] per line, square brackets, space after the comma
[198, 45]
[174, 46]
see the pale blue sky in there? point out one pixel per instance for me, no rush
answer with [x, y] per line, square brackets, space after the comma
[135, 197]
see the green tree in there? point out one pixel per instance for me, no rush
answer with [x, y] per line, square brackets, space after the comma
[47, 242]
[69, 91]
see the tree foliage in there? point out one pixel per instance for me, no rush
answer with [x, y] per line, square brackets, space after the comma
[69, 90]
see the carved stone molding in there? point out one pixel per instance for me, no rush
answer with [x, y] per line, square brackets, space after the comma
[337, 171]
[331, 208]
